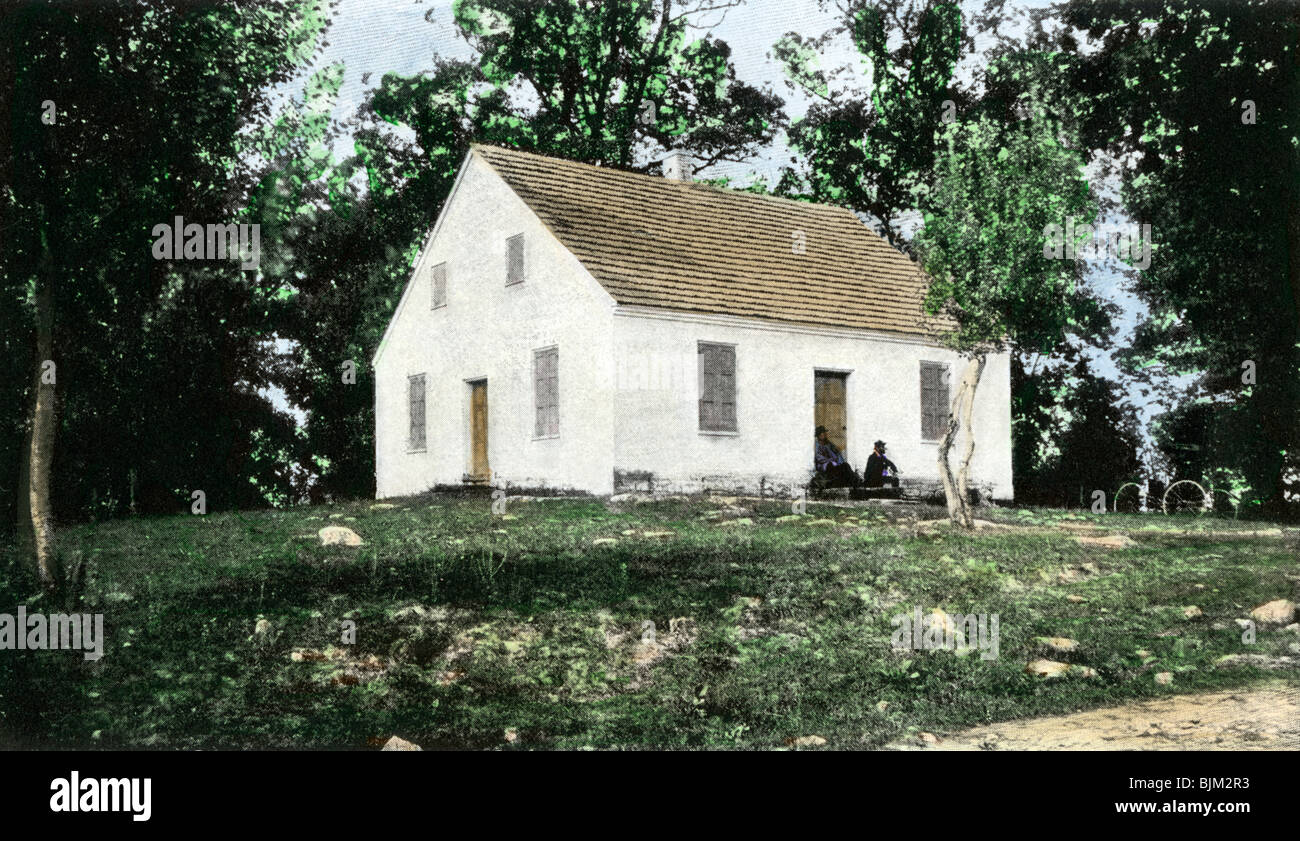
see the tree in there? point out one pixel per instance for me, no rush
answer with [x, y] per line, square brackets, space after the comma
[1000, 188]
[874, 150]
[123, 116]
[1073, 433]
[1201, 104]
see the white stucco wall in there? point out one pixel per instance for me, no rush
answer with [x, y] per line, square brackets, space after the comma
[657, 417]
[490, 330]
[628, 377]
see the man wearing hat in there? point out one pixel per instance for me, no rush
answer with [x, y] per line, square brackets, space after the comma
[880, 470]
[831, 464]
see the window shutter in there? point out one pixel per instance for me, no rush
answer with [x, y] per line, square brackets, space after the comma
[417, 414]
[515, 259]
[717, 388]
[439, 279]
[934, 400]
[546, 392]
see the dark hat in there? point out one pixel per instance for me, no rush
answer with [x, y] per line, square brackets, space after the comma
[819, 430]
[880, 445]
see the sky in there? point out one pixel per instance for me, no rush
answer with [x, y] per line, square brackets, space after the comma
[374, 37]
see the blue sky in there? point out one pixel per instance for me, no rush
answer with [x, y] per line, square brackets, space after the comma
[374, 37]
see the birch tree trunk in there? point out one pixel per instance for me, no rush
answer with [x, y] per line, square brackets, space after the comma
[974, 372]
[950, 495]
[960, 413]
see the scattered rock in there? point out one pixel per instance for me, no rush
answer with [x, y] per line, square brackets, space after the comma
[928, 738]
[658, 534]
[1293, 628]
[1164, 678]
[1074, 599]
[511, 735]
[339, 535]
[739, 521]
[1058, 643]
[1047, 668]
[1114, 541]
[821, 522]
[1244, 624]
[790, 518]
[1192, 612]
[398, 743]
[382, 506]
[310, 655]
[1259, 661]
[1276, 612]
[806, 742]
[882, 705]
[604, 541]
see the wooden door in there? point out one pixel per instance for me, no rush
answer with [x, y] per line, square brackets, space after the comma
[478, 430]
[830, 409]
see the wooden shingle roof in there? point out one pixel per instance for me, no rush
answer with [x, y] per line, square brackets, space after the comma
[650, 241]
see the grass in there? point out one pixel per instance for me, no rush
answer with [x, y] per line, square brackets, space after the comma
[480, 631]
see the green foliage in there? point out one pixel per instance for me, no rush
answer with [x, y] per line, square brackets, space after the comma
[1072, 433]
[875, 150]
[161, 363]
[998, 189]
[1203, 102]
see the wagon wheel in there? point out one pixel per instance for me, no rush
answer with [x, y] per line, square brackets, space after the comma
[1128, 502]
[1185, 497]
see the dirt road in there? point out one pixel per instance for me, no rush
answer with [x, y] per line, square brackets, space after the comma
[1249, 719]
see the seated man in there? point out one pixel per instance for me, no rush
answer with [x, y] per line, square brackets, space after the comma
[831, 466]
[880, 470]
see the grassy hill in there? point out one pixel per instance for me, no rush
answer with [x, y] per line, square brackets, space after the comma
[572, 623]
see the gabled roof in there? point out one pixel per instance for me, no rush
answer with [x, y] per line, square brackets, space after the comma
[653, 242]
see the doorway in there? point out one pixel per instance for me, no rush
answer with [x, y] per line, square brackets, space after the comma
[830, 407]
[478, 431]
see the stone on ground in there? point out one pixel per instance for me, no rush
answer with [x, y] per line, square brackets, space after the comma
[1276, 612]
[1114, 541]
[398, 743]
[339, 536]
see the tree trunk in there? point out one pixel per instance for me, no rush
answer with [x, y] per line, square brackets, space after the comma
[34, 507]
[960, 414]
[974, 372]
[950, 495]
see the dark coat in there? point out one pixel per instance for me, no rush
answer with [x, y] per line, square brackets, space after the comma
[876, 464]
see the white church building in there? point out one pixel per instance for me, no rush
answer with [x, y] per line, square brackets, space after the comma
[582, 328]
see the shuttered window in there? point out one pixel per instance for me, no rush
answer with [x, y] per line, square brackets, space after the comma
[438, 279]
[717, 388]
[515, 259]
[546, 392]
[415, 393]
[934, 400]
